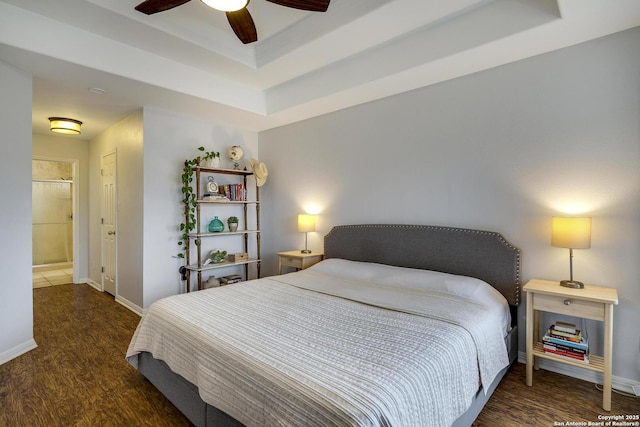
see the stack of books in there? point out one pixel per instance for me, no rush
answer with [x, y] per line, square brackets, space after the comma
[564, 340]
[233, 192]
[233, 278]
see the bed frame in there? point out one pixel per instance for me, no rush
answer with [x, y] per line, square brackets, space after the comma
[482, 254]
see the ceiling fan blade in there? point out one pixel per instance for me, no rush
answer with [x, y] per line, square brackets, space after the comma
[311, 5]
[150, 7]
[242, 24]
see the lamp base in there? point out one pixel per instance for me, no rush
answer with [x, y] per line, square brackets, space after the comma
[305, 251]
[572, 284]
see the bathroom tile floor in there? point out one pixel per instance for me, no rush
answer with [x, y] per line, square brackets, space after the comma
[43, 279]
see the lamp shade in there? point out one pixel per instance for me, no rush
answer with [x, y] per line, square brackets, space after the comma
[306, 223]
[65, 126]
[572, 233]
[226, 5]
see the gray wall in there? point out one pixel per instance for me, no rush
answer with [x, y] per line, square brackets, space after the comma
[16, 294]
[169, 140]
[126, 139]
[501, 150]
[151, 146]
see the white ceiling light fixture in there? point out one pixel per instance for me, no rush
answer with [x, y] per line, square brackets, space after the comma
[64, 125]
[226, 5]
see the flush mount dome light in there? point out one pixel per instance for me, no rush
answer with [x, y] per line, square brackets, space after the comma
[226, 5]
[65, 126]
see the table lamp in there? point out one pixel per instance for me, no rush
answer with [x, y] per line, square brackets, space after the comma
[306, 223]
[571, 233]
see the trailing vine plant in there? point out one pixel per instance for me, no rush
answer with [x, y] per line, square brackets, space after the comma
[189, 204]
[189, 198]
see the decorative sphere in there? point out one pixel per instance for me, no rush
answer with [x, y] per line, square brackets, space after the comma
[236, 153]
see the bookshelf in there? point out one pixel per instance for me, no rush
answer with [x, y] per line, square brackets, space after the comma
[197, 248]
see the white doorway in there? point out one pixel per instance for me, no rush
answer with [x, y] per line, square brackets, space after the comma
[108, 209]
[54, 220]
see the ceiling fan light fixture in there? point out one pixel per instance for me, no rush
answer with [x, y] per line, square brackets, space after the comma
[226, 5]
[64, 126]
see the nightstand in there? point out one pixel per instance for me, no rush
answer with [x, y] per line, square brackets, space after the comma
[297, 259]
[592, 302]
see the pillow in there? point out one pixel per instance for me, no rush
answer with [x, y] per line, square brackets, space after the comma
[469, 287]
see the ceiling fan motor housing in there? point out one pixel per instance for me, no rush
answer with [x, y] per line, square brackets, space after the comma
[240, 20]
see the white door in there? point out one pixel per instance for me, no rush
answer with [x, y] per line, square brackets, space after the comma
[108, 210]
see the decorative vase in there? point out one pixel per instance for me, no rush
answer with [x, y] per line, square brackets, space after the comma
[210, 163]
[233, 226]
[216, 226]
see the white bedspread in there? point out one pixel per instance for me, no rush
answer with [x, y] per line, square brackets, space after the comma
[282, 351]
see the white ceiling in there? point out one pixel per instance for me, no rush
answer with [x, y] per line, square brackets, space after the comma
[187, 60]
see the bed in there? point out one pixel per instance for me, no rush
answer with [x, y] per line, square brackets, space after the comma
[392, 329]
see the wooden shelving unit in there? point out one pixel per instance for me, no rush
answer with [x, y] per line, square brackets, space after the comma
[197, 238]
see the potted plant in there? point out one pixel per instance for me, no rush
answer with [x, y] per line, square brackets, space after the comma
[211, 159]
[232, 222]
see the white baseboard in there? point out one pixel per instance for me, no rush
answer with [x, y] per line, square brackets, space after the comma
[93, 284]
[14, 352]
[618, 383]
[131, 306]
[122, 301]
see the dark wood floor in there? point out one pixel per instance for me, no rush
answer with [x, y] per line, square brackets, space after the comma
[78, 376]
[554, 398]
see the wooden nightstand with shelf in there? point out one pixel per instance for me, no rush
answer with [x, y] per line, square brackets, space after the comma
[297, 259]
[592, 302]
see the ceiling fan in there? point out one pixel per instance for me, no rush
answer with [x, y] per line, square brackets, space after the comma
[238, 15]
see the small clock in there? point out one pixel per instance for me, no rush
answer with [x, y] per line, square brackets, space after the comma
[212, 187]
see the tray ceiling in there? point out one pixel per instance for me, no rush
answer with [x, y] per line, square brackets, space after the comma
[304, 64]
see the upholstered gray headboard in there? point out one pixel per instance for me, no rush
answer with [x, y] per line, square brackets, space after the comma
[485, 255]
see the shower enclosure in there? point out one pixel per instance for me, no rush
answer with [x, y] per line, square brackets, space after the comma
[52, 213]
